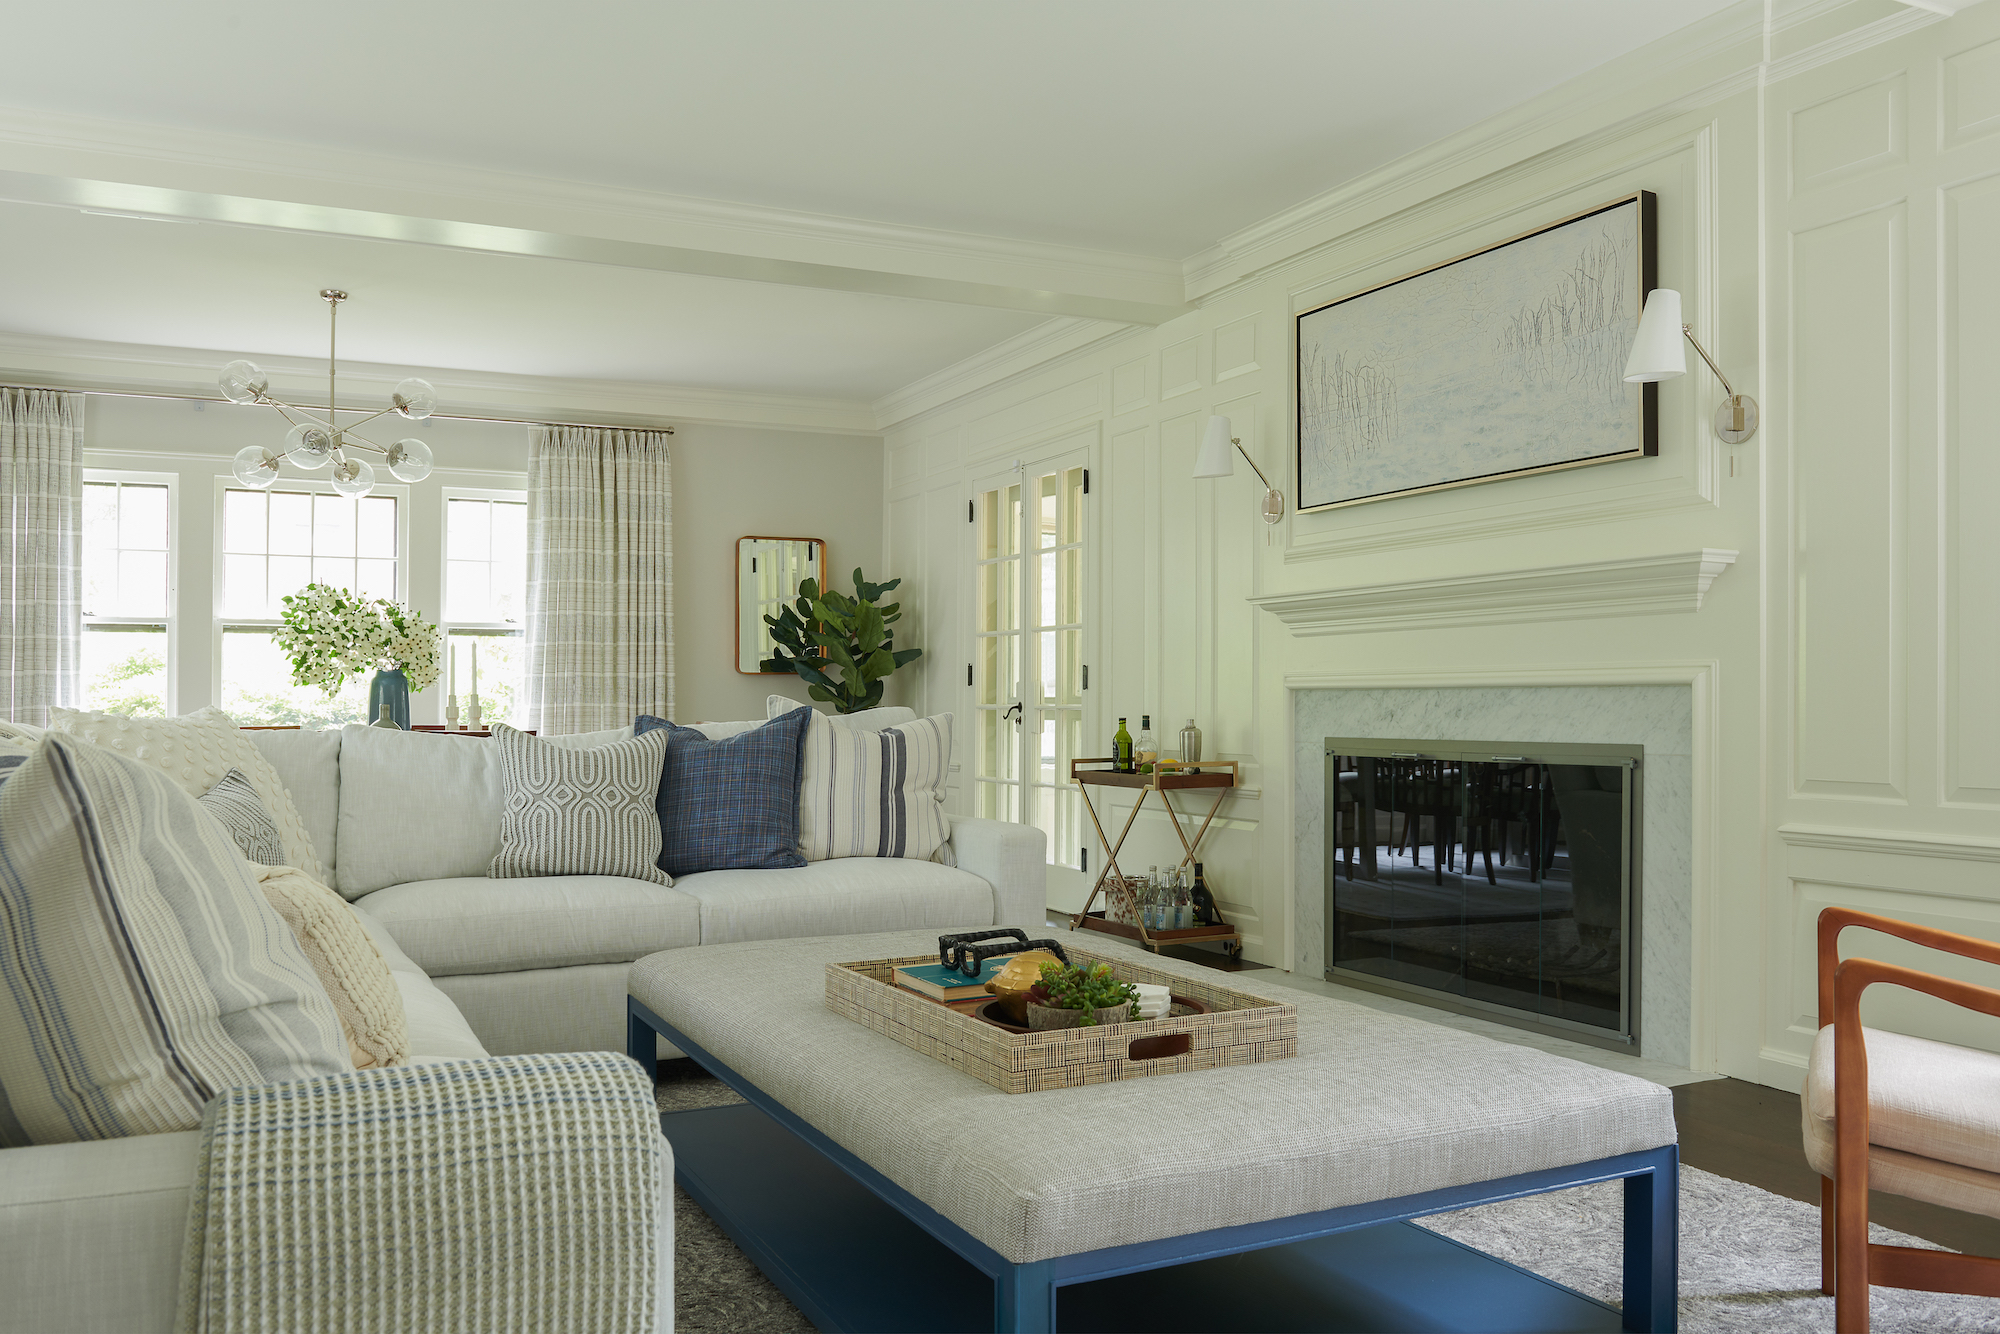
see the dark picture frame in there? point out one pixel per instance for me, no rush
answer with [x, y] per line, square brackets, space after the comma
[1507, 361]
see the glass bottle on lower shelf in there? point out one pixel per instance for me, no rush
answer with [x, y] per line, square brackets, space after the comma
[1151, 912]
[1183, 901]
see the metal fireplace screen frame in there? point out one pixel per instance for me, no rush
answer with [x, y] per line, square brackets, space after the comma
[1529, 767]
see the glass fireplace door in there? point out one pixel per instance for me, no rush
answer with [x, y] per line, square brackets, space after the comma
[1498, 880]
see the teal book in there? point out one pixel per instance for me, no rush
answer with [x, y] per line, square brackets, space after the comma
[939, 982]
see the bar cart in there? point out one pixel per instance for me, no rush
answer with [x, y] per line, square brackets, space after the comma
[1217, 776]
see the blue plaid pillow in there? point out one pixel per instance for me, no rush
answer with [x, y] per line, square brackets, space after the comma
[730, 805]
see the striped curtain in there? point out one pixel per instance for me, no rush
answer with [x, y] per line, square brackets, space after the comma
[41, 551]
[600, 579]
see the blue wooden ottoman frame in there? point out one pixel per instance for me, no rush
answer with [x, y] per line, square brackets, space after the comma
[1024, 1295]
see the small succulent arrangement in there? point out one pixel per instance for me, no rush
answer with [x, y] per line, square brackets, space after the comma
[1088, 989]
[331, 634]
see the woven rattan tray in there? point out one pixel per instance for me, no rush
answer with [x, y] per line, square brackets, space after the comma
[1238, 1030]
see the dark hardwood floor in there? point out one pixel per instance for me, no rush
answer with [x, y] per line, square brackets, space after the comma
[1750, 1133]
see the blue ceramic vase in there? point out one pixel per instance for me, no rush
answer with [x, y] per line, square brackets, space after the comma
[391, 686]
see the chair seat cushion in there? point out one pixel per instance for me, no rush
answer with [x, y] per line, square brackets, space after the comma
[477, 925]
[1928, 1098]
[833, 898]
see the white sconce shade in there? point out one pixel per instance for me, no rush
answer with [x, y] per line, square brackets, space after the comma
[1658, 352]
[1217, 458]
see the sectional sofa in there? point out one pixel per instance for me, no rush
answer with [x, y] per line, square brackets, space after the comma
[405, 825]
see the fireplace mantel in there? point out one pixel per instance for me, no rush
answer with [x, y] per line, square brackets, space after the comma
[1638, 586]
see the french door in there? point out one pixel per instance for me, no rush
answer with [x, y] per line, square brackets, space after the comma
[1029, 675]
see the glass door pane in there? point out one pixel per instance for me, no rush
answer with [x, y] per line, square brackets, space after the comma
[1055, 634]
[997, 658]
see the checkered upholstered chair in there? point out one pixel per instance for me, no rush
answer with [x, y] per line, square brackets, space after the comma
[1900, 1114]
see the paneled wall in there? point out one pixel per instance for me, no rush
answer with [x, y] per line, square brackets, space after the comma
[1825, 175]
[1883, 276]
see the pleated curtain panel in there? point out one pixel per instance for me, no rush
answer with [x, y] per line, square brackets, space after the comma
[600, 579]
[41, 551]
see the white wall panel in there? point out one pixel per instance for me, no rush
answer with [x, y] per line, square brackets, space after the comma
[1970, 283]
[1847, 325]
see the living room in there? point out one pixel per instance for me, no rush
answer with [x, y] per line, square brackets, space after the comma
[1037, 311]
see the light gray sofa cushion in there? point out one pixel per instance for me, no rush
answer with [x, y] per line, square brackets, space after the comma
[470, 924]
[308, 764]
[415, 806]
[834, 898]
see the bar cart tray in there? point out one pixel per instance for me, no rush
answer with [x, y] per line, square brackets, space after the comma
[1239, 1029]
[1097, 921]
[1215, 773]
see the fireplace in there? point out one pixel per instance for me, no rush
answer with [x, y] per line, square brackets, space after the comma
[1497, 879]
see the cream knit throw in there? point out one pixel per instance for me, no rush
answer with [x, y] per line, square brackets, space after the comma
[509, 1193]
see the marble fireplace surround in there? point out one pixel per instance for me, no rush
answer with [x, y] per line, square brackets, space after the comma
[1663, 711]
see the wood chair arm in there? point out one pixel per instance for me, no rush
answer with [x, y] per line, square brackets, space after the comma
[1832, 921]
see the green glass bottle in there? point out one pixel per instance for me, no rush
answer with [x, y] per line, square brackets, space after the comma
[1121, 749]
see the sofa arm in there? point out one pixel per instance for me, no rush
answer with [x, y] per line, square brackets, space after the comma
[1013, 858]
[460, 1194]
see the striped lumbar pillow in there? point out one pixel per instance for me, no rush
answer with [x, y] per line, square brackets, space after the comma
[579, 812]
[141, 970]
[874, 791]
[234, 802]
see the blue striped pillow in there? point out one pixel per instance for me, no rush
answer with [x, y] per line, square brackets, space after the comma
[142, 971]
[733, 804]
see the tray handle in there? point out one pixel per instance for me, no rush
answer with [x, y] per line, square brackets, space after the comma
[962, 953]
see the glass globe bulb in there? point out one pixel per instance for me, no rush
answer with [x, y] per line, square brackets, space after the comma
[353, 477]
[255, 466]
[409, 460]
[309, 445]
[242, 382]
[415, 399]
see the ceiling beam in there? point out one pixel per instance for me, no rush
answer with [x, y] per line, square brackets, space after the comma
[154, 201]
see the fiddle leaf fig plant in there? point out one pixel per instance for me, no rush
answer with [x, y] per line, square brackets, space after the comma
[827, 629]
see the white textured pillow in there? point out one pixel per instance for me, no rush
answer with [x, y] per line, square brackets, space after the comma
[872, 785]
[349, 966]
[196, 750]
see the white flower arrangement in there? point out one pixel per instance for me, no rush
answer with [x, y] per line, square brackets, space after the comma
[332, 634]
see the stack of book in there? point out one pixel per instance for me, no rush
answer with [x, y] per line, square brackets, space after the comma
[948, 984]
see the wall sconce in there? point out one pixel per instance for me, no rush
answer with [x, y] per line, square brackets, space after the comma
[1215, 460]
[1658, 354]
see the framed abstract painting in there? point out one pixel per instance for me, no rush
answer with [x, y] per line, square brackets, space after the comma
[1501, 363]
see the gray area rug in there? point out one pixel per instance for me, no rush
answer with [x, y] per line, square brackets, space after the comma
[1749, 1259]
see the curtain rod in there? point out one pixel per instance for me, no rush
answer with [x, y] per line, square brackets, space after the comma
[216, 398]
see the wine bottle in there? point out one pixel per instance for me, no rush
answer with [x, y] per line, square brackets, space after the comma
[1148, 749]
[1204, 901]
[1121, 749]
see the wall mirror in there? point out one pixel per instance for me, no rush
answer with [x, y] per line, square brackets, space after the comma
[768, 573]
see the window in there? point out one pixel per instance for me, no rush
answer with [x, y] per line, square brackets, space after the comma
[486, 598]
[1029, 656]
[128, 592]
[273, 544]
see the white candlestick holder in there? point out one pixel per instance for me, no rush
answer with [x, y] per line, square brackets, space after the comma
[472, 722]
[451, 713]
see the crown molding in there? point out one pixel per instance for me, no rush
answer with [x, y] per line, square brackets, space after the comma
[185, 170]
[1003, 361]
[1644, 586]
[1855, 40]
[133, 368]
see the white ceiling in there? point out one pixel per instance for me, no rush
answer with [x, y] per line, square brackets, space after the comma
[1101, 140]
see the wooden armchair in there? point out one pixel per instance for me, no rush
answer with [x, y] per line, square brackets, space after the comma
[1926, 1125]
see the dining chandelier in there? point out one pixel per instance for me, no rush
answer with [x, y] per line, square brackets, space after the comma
[313, 444]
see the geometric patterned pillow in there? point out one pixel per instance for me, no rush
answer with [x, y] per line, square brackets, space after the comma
[234, 802]
[141, 969]
[578, 812]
